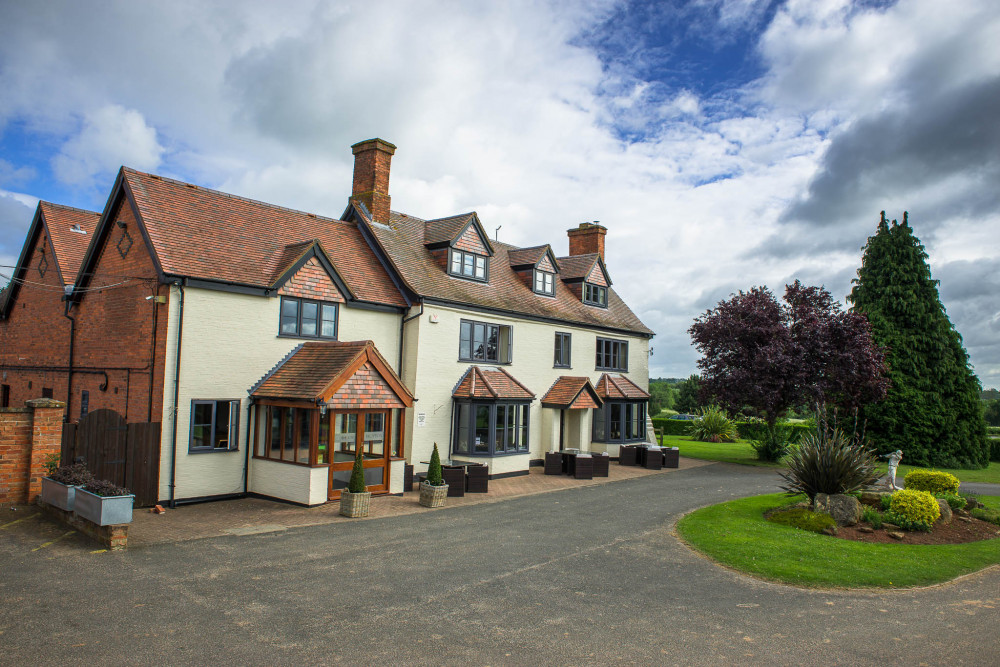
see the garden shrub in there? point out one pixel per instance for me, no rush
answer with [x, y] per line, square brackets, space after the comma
[800, 517]
[955, 501]
[915, 506]
[986, 514]
[756, 429]
[357, 481]
[103, 487]
[871, 516]
[886, 501]
[713, 426]
[932, 481]
[773, 443]
[828, 462]
[672, 426]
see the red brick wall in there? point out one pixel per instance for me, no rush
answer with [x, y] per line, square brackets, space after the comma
[312, 282]
[36, 333]
[27, 437]
[115, 329]
[365, 390]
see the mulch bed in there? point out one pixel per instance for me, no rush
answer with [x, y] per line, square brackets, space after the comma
[959, 531]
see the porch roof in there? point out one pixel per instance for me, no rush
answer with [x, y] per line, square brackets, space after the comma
[570, 392]
[614, 386]
[341, 374]
[491, 383]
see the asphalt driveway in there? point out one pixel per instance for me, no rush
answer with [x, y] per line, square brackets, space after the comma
[585, 576]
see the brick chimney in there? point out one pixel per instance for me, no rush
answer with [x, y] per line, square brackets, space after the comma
[587, 238]
[371, 176]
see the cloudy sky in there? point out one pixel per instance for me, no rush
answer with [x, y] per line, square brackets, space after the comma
[724, 143]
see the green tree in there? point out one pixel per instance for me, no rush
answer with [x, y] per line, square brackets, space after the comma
[687, 395]
[932, 410]
[661, 397]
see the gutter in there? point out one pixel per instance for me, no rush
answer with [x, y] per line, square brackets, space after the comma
[177, 391]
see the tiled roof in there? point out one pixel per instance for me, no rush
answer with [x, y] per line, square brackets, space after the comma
[318, 369]
[614, 386]
[69, 246]
[571, 392]
[210, 235]
[403, 241]
[526, 256]
[446, 230]
[577, 266]
[490, 383]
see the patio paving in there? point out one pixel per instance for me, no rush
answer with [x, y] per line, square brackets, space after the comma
[249, 516]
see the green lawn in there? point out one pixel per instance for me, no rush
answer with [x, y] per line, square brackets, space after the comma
[736, 534]
[741, 452]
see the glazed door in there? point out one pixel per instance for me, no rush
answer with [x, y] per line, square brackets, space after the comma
[369, 431]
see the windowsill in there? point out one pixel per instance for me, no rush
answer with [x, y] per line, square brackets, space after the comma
[484, 281]
[212, 451]
[613, 370]
[490, 456]
[561, 366]
[551, 296]
[484, 361]
[595, 305]
[298, 337]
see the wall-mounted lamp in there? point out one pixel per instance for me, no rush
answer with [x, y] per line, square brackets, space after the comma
[322, 410]
[434, 319]
[157, 299]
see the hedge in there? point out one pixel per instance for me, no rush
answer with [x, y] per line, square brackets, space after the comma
[747, 430]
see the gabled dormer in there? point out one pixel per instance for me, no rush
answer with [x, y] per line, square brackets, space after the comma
[311, 291]
[587, 277]
[536, 267]
[460, 245]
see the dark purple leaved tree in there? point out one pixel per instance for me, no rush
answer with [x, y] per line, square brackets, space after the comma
[761, 355]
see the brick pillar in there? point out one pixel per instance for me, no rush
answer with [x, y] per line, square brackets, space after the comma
[46, 438]
[587, 238]
[372, 159]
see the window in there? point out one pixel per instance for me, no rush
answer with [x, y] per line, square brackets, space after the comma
[215, 426]
[612, 355]
[620, 421]
[467, 265]
[480, 341]
[4, 396]
[545, 282]
[490, 429]
[562, 358]
[308, 319]
[595, 295]
[46, 392]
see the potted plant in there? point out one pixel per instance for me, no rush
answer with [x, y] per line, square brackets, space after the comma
[433, 490]
[104, 503]
[355, 500]
[59, 488]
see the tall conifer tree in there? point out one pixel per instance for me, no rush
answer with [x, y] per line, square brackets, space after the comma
[932, 409]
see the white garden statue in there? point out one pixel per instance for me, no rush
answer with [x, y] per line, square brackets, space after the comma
[894, 459]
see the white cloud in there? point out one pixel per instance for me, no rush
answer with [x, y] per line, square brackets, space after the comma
[110, 137]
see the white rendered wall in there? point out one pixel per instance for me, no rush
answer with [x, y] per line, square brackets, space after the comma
[230, 341]
[436, 370]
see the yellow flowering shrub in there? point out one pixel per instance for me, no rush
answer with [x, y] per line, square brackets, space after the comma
[917, 506]
[932, 481]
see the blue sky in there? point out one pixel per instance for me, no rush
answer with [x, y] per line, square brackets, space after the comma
[724, 143]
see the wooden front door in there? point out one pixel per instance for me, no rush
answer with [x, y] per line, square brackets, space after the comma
[369, 430]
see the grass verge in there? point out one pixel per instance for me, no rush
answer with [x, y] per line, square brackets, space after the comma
[742, 453]
[736, 534]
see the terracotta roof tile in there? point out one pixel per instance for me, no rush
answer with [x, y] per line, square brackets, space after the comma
[527, 256]
[206, 234]
[69, 246]
[571, 392]
[445, 230]
[403, 241]
[614, 386]
[490, 383]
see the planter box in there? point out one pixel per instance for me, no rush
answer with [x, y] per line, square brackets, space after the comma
[103, 510]
[355, 505]
[433, 496]
[58, 494]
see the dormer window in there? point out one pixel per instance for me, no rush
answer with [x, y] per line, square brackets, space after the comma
[545, 283]
[595, 295]
[467, 265]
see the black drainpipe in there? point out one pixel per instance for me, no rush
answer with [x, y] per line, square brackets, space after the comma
[246, 462]
[69, 377]
[402, 324]
[177, 391]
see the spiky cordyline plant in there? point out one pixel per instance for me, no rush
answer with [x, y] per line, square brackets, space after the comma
[829, 462]
[713, 426]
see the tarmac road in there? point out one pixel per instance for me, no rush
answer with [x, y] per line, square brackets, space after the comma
[587, 576]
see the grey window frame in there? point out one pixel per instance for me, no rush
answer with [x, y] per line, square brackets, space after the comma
[607, 355]
[601, 421]
[235, 406]
[521, 428]
[471, 356]
[595, 295]
[462, 255]
[564, 360]
[536, 273]
[320, 307]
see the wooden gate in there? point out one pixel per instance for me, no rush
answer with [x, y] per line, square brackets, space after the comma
[126, 454]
